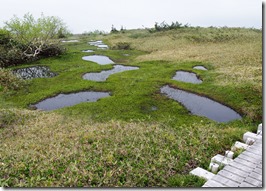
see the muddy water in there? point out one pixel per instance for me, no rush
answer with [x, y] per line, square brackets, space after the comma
[64, 100]
[188, 77]
[200, 68]
[201, 106]
[34, 72]
[102, 60]
[102, 76]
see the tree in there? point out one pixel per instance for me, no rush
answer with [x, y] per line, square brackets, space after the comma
[36, 35]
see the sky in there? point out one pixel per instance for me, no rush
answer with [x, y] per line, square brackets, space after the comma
[90, 15]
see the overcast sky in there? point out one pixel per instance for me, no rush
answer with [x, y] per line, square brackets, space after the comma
[89, 15]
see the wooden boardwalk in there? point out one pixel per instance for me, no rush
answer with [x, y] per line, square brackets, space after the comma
[244, 171]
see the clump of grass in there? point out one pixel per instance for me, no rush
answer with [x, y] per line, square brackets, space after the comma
[9, 81]
[122, 46]
[186, 181]
[7, 118]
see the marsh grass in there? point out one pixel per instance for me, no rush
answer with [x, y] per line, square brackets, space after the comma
[51, 150]
[120, 141]
[234, 53]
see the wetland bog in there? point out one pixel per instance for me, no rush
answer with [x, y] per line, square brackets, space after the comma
[134, 136]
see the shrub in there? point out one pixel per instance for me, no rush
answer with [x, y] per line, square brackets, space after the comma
[5, 38]
[51, 50]
[29, 39]
[7, 117]
[94, 33]
[9, 81]
[122, 46]
[114, 30]
[164, 26]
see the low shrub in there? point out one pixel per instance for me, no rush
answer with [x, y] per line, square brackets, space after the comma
[165, 26]
[122, 46]
[52, 50]
[9, 81]
[7, 118]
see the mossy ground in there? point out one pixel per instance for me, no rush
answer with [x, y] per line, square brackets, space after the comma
[121, 140]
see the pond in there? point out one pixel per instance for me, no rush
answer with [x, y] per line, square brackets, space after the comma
[188, 77]
[34, 72]
[98, 44]
[65, 100]
[95, 43]
[200, 68]
[87, 51]
[201, 106]
[102, 46]
[102, 76]
[70, 41]
[99, 59]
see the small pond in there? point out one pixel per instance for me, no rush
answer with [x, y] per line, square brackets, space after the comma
[102, 46]
[188, 77]
[95, 43]
[34, 72]
[70, 41]
[64, 100]
[99, 59]
[201, 106]
[200, 68]
[87, 51]
[102, 76]
[98, 44]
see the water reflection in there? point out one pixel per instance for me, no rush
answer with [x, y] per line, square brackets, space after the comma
[102, 76]
[99, 44]
[201, 106]
[64, 100]
[99, 59]
[188, 77]
[87, 51]
[70, 41]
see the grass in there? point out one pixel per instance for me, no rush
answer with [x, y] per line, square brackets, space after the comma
[46, 149]
[120, 141]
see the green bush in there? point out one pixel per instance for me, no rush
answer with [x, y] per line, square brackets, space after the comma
[9, 81]
[29, 39]
[7, 118]
[5, 38]
[122, 46]
[165, 26]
